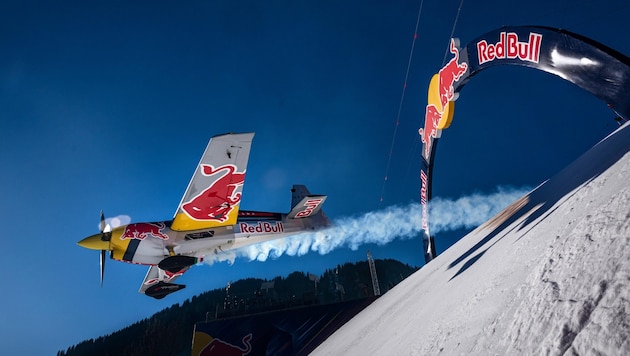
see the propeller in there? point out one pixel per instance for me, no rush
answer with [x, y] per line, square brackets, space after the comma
[106, 235]
[106, 230]
[102, 265]
[99, 242]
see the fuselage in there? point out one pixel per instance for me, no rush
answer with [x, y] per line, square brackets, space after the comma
[150, 243]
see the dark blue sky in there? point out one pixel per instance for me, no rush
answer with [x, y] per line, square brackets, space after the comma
[109, 105]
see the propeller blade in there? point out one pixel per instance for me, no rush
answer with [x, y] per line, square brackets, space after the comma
[103, 252]
[102, 227]
[106, 230]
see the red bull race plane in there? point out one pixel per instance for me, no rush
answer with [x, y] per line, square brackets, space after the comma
[207, 220]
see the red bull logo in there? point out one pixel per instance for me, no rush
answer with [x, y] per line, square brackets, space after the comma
[309, 207]
[430, 131]
[141, 231]
[222, 348]
[509, 47]
[261, 228]
[218, 200]
[449, 74]
[437, 107]
[424, 200]
[168, 277]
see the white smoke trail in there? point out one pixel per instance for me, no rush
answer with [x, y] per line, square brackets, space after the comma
[383, 226]
[117, 221]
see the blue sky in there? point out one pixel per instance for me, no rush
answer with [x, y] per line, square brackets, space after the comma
[109, 105]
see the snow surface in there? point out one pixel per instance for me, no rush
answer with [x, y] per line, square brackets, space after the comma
[549, 275]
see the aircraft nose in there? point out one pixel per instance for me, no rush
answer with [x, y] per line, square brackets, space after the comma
[94, 242]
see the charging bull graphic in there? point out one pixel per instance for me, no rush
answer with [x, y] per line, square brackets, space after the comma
[218, 200]
[141, 231]
[221, 348]
[438, 104]
[430, 131]
[449, 74]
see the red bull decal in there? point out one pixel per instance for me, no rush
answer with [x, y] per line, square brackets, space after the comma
[424, 201]
[261, 228]
[509, 47]
[310, 205]
[168, 277]
[141, 231]
[222, 348]
[447, 76]
[151, 281]
[218, 200]
[430, 131]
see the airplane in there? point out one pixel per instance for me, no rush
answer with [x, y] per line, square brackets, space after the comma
[207, 221]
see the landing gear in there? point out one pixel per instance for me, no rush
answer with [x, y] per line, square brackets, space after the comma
[162, 289]
[175, 264]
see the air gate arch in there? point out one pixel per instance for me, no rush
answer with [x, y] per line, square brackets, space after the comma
[590, 65]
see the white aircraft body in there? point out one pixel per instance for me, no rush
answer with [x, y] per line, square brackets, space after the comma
[207, 221]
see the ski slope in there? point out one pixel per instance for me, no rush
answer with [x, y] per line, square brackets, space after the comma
[548, 275]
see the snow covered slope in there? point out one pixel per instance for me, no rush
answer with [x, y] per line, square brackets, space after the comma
[548, 275]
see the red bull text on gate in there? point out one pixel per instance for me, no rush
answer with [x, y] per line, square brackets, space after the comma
[423, 200]
[509, 47]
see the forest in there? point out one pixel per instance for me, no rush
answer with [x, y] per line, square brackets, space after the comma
[169, 332]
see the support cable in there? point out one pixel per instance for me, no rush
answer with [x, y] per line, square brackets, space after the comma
[402, 98]
[461, 3]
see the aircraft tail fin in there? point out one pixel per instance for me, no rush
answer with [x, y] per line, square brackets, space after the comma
[307, 205]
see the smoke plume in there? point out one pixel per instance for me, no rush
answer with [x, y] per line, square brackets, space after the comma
[383, 226]
[116, 221]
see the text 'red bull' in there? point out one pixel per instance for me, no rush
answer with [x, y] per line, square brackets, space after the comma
[509, 47]
[261, 228]
[141, 231]
[219, 199]
[310, 206]
[424, 200]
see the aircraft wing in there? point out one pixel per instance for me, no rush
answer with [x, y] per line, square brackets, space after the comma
[158, 283]
[214, 192]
